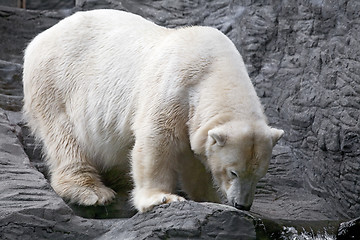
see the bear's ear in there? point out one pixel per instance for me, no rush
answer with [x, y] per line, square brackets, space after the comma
[218, 138]
[276, 134]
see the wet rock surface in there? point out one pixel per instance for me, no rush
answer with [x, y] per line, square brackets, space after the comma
[303, 58]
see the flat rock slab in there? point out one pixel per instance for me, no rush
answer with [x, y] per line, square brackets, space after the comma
[187, 220]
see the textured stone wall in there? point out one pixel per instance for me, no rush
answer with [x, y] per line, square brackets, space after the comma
[305, 66]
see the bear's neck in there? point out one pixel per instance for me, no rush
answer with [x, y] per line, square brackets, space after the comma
[218, 99]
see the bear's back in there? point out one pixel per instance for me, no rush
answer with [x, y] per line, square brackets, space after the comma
[95, 27]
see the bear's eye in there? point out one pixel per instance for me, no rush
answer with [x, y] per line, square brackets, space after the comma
[233, 174]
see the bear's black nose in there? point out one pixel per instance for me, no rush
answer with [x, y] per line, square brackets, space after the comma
[242, 207]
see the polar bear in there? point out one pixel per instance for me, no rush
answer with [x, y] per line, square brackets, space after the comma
[173, 107]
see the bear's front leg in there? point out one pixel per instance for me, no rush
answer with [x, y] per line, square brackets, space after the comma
[154, 175]
[196, 181]
[146, 199]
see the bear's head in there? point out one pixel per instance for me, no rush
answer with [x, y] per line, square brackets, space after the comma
[238, 155]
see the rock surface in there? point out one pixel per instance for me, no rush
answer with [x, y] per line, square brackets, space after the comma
[28, 206]
[303, 57]
[187, 220]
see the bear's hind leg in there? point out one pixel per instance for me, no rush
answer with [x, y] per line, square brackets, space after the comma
[73, 177]
[81, 184]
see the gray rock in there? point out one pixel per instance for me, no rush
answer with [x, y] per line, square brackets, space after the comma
[187, 220]
[10, 86]
[49, 4]
[19, 27]
[28, 206]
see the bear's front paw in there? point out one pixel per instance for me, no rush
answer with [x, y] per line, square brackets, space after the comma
[145, 201]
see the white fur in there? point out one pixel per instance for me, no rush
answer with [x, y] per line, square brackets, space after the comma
[103, 85]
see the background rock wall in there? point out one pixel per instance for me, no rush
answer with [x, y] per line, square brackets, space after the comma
[303, 58]
[305, 68]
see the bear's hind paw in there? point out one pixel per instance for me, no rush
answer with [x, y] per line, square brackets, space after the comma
[101, 196]
[88, 196]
